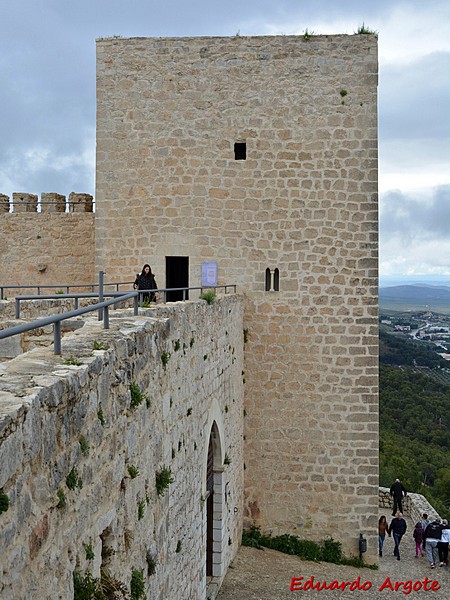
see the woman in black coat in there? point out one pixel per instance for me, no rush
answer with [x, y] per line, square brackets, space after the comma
[146, 281]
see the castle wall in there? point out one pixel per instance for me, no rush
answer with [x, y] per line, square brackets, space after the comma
[50, 247]
[79, 421]
[303, 200]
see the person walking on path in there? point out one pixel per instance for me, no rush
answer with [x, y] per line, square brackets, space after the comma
[146, 281]
[398, 529]
[433, 535]
[443, 544]
[397, 492]
[382, 530]
[418, 538]
[425, 522]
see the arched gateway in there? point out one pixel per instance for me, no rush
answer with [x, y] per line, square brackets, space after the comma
[213, 504]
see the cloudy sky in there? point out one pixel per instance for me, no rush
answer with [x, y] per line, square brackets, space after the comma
[47, 96]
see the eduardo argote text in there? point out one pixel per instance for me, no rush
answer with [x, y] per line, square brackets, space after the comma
[405, 587]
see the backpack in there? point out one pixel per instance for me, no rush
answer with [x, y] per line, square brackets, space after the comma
[418, 532]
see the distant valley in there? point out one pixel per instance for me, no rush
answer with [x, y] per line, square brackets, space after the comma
[434, 298]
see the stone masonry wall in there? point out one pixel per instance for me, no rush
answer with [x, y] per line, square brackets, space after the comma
[414, 505]
[70, 437]
[47, 249]
[302, 202]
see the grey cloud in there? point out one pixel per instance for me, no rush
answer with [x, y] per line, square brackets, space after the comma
[416, 218]
[415, 99]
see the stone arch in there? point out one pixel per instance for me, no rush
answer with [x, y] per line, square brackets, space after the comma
[213, 493]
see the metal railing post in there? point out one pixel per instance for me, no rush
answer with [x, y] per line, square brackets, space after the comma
[57, 337]
[106, 317]
[17, 308]
[100, 293]
[136, 305]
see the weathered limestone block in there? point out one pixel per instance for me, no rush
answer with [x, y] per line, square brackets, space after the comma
[80, 202]
[23, 202]
[53, 202]
[4, 203]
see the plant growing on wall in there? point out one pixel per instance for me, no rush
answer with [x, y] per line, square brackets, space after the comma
[151, 563]
[72, 360]
[307, 35]
[163, 479]
[84, 445]
[89, 551]
[209, 296]
[4, 502]
[101, 416]
[137, 586]
[165, 356]
[61, 499]
[133, 471]
[137, 396]
[227, 459]
[141, 509]
[99, 346]
[363, 30]
[86, 587]
[73, 480]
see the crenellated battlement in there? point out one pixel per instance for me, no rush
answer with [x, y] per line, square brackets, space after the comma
[47, 239]
[49, 202]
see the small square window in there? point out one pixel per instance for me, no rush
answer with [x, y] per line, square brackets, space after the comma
[240, 151]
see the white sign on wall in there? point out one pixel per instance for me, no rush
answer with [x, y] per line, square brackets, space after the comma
[209, 274]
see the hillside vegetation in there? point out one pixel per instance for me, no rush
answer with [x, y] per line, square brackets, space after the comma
[415, 419]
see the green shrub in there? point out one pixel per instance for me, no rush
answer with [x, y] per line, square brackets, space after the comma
[61, 499]
[72, 360]
[101, 416]
[151, 564]
[99, 345]
[73, 480]
[137, 586]
[328, 550]
[137, 397]
[87, 587]
[209, 296]
[363, 30]
[141, 509]
[84, 445]
[90, 555]
[163, 479]
[4, 502]
[133, 471]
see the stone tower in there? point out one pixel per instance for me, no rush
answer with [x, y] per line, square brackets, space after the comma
[258, 155]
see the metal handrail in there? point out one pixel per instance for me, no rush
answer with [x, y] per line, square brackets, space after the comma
[75, 297]
[66, 287]
[56, 319]
[102, 307]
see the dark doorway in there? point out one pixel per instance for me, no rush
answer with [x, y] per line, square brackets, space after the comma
[209, 507]
[177, 276]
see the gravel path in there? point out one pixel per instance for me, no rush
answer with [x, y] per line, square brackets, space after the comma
[266, 575]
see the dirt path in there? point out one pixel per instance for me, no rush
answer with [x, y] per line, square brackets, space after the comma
[266, 575]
